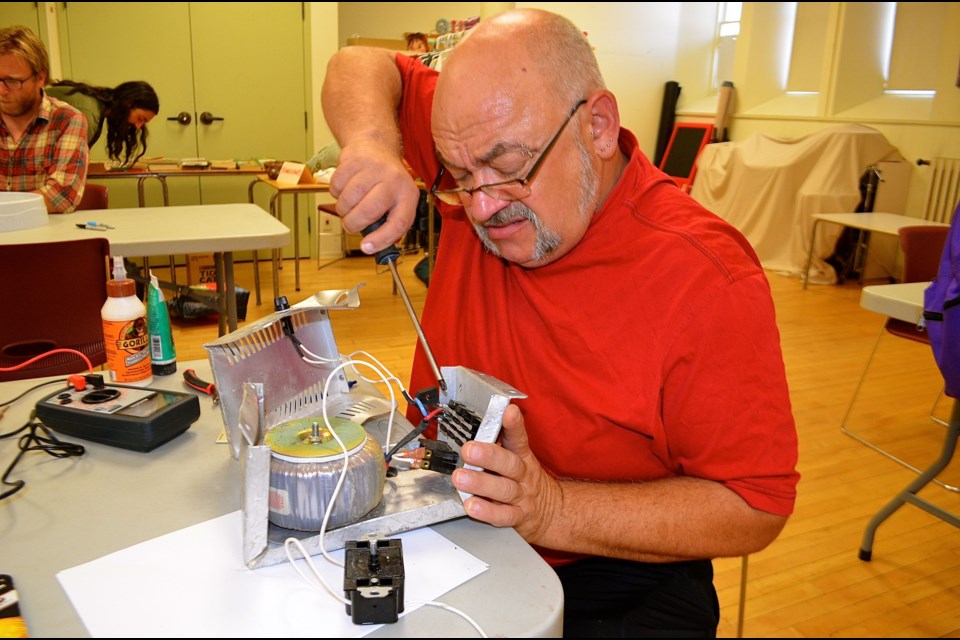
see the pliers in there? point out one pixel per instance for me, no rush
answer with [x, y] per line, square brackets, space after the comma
[193, 380]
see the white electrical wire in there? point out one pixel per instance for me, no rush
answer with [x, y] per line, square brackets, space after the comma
[346, 457]
[346, 454]
[306, 556]
[441, 605]
[386, 377]
[336, 595]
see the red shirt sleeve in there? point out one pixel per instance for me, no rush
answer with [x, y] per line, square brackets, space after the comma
[419, 83]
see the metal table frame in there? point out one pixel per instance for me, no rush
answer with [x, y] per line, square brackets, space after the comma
[905, 302]
[885, 223]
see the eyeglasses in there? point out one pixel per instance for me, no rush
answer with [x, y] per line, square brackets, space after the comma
[14, 84]
[510, 190]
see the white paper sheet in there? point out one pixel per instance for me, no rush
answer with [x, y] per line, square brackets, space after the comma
[192, 583]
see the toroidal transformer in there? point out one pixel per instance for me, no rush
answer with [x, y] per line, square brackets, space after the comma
[305, 465]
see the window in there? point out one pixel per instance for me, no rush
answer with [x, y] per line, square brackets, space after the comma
[728, 28]
[908, 31]
[809, 47]
[916, 35]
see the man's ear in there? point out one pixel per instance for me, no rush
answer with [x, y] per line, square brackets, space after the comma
[604, 123]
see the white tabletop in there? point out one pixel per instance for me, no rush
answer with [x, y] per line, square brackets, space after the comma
[77, 510]
[901, 301]
[155, 231]
[889, 223]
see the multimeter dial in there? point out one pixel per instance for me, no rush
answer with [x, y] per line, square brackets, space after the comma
[100, 396]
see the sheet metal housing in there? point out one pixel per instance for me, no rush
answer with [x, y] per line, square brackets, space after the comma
[264, 382]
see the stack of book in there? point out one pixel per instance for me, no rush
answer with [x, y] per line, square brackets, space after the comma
[163, 164]
[194, 163]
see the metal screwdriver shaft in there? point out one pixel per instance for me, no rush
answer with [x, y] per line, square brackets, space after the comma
[416, 324]
[388, 256]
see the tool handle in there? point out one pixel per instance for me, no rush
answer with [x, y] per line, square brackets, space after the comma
[192, 380]
[387, 254]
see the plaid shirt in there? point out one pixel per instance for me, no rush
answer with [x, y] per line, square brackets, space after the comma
[51, 159]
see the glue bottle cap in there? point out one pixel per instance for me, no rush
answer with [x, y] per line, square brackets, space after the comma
[121, 288]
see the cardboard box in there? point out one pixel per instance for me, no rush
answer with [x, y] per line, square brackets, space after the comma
[201, 268]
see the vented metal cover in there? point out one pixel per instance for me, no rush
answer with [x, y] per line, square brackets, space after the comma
[263, 382]
[261, 353]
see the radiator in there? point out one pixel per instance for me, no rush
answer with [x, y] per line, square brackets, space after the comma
[944, 192]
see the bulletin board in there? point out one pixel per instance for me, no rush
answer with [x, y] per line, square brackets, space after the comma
[680, 158]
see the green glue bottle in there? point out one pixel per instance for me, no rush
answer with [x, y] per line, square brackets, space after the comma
[163, 355]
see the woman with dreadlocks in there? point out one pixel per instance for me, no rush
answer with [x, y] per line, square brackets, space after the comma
[125, 109]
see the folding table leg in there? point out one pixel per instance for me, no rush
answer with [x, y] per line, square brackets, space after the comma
[909, 494]
[813, 240]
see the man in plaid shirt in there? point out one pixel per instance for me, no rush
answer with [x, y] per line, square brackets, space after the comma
[43, 141]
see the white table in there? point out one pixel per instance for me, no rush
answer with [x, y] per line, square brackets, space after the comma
[905, 302]
[73, 511]
[884, 223]
[901, 301]
[154, 231]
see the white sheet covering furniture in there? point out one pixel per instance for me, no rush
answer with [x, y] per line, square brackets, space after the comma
[769, 187]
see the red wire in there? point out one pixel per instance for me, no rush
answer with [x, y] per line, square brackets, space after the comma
[49, 353]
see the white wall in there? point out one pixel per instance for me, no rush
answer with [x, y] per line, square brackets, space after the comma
[324, 39]
[636, 46]
[639, 46]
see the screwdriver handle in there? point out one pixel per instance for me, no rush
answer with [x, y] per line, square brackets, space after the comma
[387, 254]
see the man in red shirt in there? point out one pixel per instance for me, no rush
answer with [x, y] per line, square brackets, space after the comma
[657, 433]
[43, 141]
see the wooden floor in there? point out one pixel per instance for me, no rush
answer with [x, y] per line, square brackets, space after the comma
[809, 582]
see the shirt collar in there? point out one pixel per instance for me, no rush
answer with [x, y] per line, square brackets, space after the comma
[46, 107]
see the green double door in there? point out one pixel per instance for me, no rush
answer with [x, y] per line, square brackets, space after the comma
[27, 14]
[231, 78]
[242, 63]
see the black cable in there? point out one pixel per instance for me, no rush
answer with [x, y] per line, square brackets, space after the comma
[407, 438]
[296, 343]
[32, 389]
[413, 434]
[39, 438]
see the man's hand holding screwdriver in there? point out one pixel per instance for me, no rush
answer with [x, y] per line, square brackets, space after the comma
[371, 181]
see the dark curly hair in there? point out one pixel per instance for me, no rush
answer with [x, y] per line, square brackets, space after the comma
[122, 137]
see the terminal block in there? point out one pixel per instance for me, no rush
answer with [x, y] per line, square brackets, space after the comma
[430, 397]
[373, 580]
[438, 456]
[458, 423]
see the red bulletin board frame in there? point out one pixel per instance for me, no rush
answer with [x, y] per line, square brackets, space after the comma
[680, 157]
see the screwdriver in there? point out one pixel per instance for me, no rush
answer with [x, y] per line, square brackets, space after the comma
[388, 256]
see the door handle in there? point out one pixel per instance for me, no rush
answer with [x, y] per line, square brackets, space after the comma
[208, 118]
[183, 118]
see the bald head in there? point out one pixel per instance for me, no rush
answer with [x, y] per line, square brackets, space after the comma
[522, 51]
[523, 85]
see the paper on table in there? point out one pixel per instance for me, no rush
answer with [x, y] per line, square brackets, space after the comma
[324, 175]
[193, 583]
